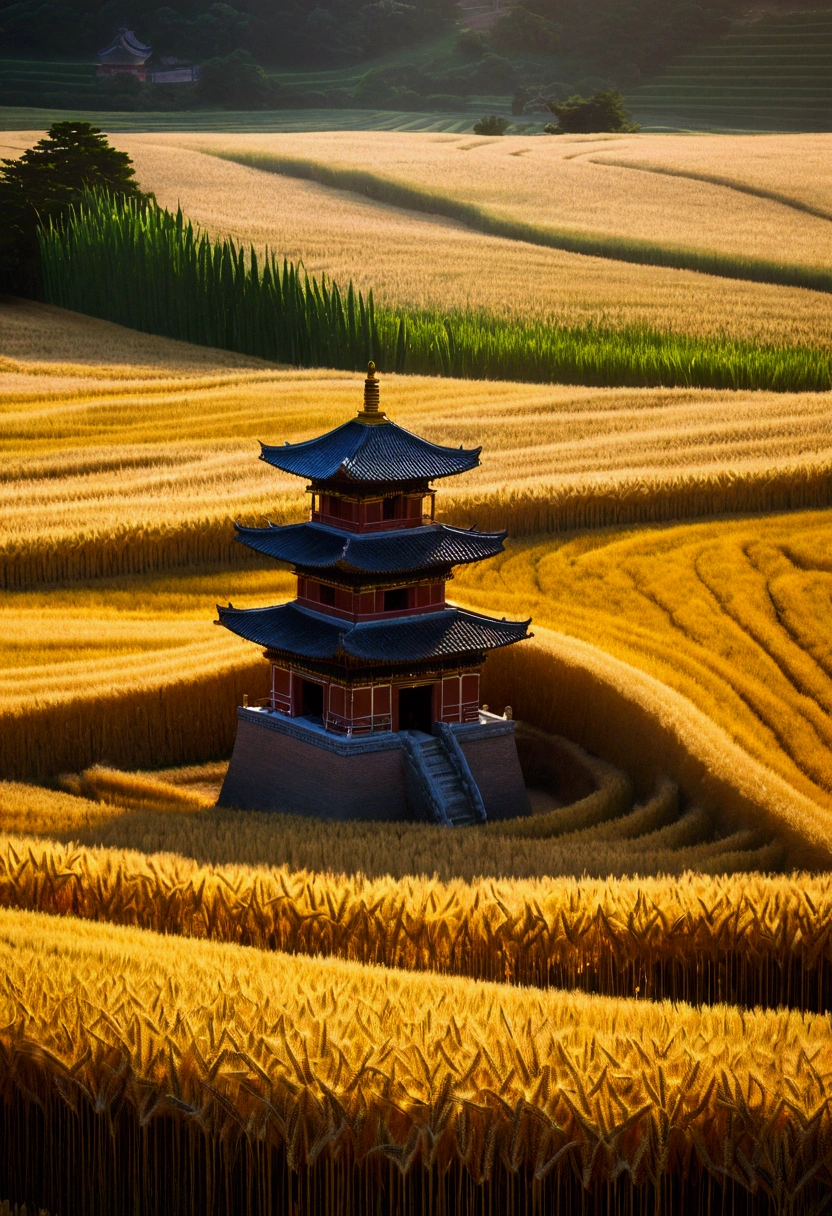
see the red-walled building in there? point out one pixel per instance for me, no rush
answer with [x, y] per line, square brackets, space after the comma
[124, 56]
[370, 663]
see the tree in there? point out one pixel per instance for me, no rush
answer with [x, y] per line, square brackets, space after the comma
[236, 80]
[603, 111]
[492, 125]
[43, 184]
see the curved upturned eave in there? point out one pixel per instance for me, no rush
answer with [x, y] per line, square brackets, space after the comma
[288, 628]
[371, 455]
[398, 551]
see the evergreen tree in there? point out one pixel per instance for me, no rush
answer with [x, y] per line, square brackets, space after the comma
[43, 184]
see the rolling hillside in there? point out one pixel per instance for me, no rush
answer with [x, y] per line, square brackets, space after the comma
[771, 74]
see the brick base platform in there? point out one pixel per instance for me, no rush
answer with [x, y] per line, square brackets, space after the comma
[291, 765]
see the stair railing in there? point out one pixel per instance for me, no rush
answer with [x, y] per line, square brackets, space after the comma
[450, 745]
[431, 793]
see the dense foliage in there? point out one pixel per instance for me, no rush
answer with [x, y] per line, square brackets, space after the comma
[603, 111]
[621, 38]
[297, 29]
[43, 184]
[491, 125]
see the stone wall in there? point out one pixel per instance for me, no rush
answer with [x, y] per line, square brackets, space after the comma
[495, 767]
[271, 770]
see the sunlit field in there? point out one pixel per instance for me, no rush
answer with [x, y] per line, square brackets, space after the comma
[617, 1004]
[110, 471]
[370, 1058]
[382, 246]
[733, 615]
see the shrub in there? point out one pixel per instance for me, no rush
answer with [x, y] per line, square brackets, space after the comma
[492, 125]
[603, 111]
[473, 43]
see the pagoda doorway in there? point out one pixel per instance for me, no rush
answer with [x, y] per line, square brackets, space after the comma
[416, 708]
[312, 700]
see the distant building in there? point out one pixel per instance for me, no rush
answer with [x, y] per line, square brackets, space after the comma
[127, 56]
[374, 711]
[124, 56]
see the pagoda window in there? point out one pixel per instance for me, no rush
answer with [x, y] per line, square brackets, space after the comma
[397, 599]
[337, 508]
[390, 508]
[327, 595]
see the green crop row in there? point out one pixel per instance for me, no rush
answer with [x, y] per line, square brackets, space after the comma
[176, 281]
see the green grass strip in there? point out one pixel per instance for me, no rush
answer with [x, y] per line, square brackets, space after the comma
[177, 282]
[601, 245]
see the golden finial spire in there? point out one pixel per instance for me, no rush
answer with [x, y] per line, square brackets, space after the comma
[371, 413]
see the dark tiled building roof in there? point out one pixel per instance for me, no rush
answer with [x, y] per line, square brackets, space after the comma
[356, 452]
[286, 627]
[125, 48]
[323, 548]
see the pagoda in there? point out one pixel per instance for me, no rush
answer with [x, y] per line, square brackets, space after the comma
[374, 709]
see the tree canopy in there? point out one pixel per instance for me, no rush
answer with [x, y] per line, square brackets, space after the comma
[603, 111]
[44, 183]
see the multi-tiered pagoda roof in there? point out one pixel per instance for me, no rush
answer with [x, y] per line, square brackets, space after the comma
[324, 548]
[372, 562]
[291, 629]
[374, 709]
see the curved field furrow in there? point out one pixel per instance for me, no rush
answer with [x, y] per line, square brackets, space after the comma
[148, 475]
[687, 605]
[349, 236]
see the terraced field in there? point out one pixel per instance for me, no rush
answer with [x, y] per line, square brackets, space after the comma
[617, 1004]
[112, 470]
[110, 477]
[768, 74]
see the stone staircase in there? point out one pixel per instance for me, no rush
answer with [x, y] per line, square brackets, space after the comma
[449, 790]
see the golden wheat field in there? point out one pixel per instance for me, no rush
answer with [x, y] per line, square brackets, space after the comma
[109, 472]
[617, 1005]
[132, 671]
[570, 183]
[116, 479]
[382, 247]
[287, 1058]
[733, 615]
[746, 938]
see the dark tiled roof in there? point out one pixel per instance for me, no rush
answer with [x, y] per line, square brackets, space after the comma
[312, 635]
[319, 547]
[357, 452]
[126, 40]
